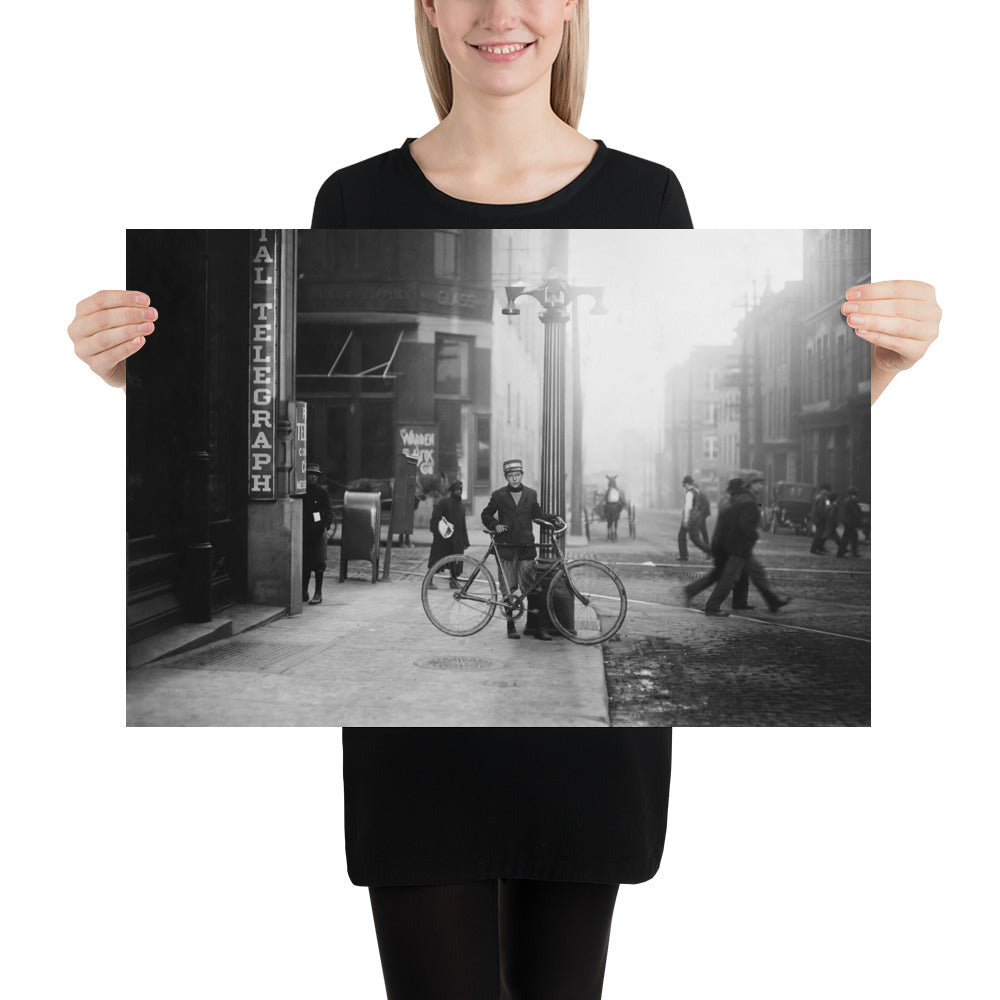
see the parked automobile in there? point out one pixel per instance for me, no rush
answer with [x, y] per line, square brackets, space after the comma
[790, 506]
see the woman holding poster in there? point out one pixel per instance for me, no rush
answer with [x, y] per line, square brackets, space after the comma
[493, 857]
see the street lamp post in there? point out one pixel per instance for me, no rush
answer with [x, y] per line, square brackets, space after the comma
[555, 296]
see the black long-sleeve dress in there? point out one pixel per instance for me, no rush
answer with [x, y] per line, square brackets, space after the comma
[438, 805]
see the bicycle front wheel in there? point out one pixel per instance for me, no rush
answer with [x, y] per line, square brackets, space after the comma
[596, 596]
[459, 595]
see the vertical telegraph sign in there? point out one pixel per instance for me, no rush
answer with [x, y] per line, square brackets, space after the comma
[263, 367]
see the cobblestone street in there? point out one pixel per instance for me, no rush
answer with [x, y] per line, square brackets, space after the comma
[808, 665]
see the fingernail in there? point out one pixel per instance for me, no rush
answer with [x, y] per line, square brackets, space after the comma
[854, 293]
[145, 328]
[141, 300]
[139, 341]
[149, 314]
[852, 307]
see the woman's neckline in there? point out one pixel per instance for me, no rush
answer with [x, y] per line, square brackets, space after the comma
[524, 207]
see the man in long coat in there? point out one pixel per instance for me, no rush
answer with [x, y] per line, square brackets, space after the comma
[445, 541]
[317, 516]
[510, 514]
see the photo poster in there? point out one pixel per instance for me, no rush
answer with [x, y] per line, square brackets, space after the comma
[614, 365]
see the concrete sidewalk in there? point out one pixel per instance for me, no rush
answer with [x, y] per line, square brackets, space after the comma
[368, 656]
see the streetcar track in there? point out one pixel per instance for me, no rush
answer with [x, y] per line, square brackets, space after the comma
[770, 569]
[761, 621]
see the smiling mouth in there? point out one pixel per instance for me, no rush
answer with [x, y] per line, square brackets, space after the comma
[503, 50]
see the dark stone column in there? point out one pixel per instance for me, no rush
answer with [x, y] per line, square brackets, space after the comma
[552, 489]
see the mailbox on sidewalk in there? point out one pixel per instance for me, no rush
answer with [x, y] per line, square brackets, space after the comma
[362, 531]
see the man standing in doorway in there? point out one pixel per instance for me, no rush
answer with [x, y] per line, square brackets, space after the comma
[510, 514]
[317, 516]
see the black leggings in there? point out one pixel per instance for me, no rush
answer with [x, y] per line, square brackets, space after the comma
[513, 939]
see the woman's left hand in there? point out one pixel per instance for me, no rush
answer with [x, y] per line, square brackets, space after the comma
[900, 319]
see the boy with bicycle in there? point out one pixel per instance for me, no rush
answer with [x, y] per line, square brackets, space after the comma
[510, 514]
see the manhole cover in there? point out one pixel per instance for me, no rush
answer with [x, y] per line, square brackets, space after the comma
[464, 663]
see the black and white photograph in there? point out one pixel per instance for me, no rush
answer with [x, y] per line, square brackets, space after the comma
[499, 477]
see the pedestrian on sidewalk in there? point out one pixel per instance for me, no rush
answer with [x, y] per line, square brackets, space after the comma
[449, 534]
[737, 536]
[692, 521]
[317, 516]
[510, 515]
[851, 518]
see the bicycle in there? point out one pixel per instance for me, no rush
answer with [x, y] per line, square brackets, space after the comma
[585, 599]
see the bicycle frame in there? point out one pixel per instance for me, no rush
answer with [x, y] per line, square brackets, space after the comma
[517, 605]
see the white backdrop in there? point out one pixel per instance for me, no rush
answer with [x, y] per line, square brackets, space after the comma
[209, 863]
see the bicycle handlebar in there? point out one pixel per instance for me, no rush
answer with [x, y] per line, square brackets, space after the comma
[547, 524]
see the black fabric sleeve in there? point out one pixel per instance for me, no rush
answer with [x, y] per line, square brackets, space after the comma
[674, 212]
[487, 514]
[328, 209]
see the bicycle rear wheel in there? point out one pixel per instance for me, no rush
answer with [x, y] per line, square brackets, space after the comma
[597, 597]
[466, 607]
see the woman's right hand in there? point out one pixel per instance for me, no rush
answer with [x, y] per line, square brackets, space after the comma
[108, 328]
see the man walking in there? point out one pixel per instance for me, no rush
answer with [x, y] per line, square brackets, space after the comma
[692, 520]
[317, 516]
[510, 514]
[736, 538]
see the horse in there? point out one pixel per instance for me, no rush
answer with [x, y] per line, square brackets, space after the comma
[614, 504]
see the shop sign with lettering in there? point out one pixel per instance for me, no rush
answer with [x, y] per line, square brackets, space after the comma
[420, 442]
[263, 367]
[299, 448]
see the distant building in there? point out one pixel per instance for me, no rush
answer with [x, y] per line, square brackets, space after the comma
[770, 346]
[693, 422]
[835, 415]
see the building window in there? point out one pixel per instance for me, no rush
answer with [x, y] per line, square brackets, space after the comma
[454, 419]
[711, 449]
[446, 253]
[452, 365]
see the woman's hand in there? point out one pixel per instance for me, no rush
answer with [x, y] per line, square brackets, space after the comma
[900, 319]
[108, 328]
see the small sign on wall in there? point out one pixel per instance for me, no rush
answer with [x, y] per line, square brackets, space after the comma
[299, 448]
[420, 442]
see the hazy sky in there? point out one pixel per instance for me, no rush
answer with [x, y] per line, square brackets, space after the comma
[665, 292]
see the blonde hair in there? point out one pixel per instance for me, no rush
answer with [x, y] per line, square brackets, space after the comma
[569, 71]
